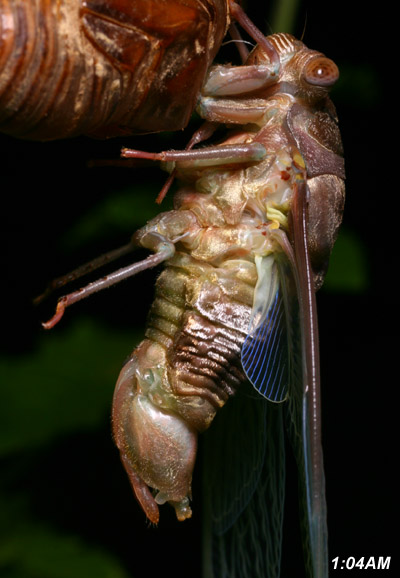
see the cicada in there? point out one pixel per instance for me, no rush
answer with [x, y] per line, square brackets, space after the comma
[234, 323]
[104, 67]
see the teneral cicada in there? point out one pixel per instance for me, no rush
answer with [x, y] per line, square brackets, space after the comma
[245, 248]
[104, 67]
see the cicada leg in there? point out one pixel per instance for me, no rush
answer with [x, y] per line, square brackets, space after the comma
[225, 82]
[173, 225]
[206, 157]
[84, 270]
[164, 251]
[203, 133]
[234, 80]
[238, 14]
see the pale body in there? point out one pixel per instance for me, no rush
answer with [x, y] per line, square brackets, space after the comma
[189, 364]
[225, 222]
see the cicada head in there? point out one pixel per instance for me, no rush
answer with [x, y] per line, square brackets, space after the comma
[303, 73]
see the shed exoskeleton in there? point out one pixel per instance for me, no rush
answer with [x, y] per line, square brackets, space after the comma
[104, 67]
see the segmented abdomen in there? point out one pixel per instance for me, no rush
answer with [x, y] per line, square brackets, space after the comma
[53, 82]
[200, 315]
[103, 67]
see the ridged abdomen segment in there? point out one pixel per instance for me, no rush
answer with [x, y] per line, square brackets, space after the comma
[103, 67]
[37, 70]
[53, 82]
[200, 315]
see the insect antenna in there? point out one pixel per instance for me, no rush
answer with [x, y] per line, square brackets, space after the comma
[240, 43]
[304, 27]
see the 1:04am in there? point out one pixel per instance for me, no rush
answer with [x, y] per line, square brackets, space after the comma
[363, 563]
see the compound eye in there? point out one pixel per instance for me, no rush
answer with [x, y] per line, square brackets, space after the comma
[321, 71]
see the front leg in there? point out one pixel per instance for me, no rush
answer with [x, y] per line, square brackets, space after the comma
[231, 80]
[227, 98]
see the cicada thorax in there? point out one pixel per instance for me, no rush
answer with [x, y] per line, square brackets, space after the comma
[309, 121]
[104, 67]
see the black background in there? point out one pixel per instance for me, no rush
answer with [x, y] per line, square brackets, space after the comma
[76, 483]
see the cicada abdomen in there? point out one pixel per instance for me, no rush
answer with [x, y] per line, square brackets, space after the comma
[248, 242]
[104, 67]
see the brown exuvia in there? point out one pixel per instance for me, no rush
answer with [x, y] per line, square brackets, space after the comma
[104, 67]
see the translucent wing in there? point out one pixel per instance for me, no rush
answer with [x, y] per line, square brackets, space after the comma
[283, 345]
[244, 508]
[266, 350]
[244, 452]
[244, 480]
[303, 407]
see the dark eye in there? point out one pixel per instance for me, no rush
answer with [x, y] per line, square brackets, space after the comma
[321, 71]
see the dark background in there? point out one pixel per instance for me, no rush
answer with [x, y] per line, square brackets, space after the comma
[66, 509]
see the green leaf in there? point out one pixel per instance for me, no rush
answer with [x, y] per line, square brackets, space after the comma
[33, 551]
[125, 210]
[66, 385]
[348, 269]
